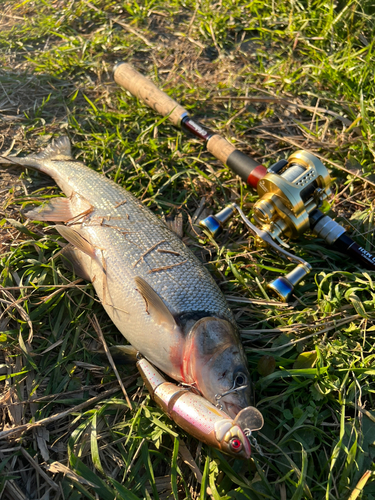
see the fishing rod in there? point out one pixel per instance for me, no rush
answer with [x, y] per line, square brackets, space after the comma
[290, 191]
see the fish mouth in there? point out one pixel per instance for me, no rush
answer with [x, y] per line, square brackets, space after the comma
[231, 409]
[232, 404]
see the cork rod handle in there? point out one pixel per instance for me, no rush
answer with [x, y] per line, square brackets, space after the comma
[220, 148]
[142, 88]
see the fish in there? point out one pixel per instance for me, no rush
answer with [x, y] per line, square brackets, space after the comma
[156, 292]
[200, 418]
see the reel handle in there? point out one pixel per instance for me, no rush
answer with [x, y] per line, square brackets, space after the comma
[214, 223]
[283, 286]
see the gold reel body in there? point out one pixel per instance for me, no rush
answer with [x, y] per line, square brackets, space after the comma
[289, 192]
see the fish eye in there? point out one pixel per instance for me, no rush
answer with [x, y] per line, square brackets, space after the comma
[235, 444]
[240, 379]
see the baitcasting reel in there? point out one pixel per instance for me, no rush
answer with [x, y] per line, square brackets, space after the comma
[290, 194]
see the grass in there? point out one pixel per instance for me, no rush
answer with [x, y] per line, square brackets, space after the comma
[311, 362]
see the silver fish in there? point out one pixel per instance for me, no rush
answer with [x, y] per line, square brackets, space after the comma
[154, 289]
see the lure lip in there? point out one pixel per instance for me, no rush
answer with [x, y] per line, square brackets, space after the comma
[249, 419]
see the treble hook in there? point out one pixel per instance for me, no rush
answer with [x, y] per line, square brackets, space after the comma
[231, 390]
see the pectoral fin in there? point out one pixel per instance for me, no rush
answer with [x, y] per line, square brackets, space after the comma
[77, 240]
[154, 304]
[56, 210]
[124, 355]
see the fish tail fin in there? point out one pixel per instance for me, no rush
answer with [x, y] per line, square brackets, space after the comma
[58, 149]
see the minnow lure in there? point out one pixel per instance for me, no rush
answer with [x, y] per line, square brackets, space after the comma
[199, 417]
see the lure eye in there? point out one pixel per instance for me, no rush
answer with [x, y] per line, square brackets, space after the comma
[240, 379]
[235, 444]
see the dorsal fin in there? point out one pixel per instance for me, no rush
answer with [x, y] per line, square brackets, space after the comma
[59, 149]
[175, 224]
[155, 306]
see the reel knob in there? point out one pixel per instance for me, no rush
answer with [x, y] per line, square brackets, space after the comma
[214, 223]
[283, 286]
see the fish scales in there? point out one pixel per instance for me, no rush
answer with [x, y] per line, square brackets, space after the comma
[129, 230]
[167, 305]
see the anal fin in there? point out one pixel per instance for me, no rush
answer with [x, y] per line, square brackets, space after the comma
[73, 259]
[56, 210]
[77, 240]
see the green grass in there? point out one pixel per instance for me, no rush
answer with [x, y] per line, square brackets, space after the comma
[311, 362]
